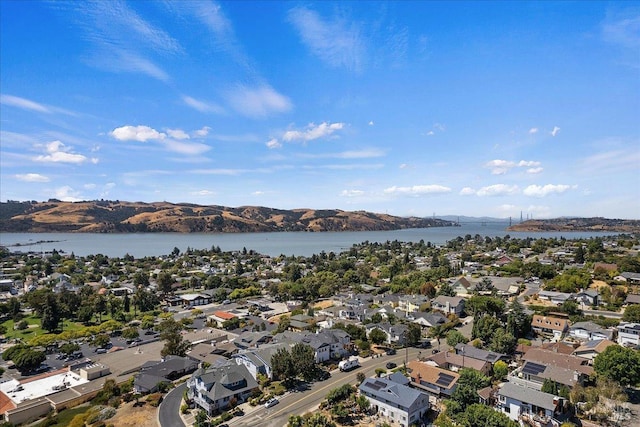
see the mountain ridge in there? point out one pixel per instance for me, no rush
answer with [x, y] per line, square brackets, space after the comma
[105, 216]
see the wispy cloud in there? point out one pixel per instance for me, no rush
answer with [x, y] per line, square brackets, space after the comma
[612, 161]
[555, 131]
[312, 132]
[354, 154]
[27, 104]
[32, 177]
[467, 191]
[202, 106]
[533, 131]
[352, 193]
[336, 42]
[417, 190]
[57, 152]
[177, 134]
[121, 40]
[273, 143]
[498, 190]
[202, 132]
[258, 102]
[501, 167]
[545, 190]
[623, 31]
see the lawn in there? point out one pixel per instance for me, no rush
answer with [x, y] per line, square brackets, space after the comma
[64, 417]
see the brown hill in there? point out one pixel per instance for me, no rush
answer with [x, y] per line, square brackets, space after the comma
[579, 224]
[116, 216]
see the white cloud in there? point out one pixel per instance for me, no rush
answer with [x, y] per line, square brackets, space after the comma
[545, 190]
[528, 163]
[371, 123]
[258, 102]
[188, 148]
[498, 190]
[137, 133]
[467, 191]
[57, 152]
[201, 133]
[202, 106]
[32, 177]
[258, 193]
[533, 131]
[67, 194]
[312, 132]
[614, 160]
[555, 131]
[177, 134]
[337, 43]
[273, 143]
[89, 186]
[351, 193]
[431, 133]
[26, 104]
[417, 190]
[202, 193]
[534, 171]
[500, 167]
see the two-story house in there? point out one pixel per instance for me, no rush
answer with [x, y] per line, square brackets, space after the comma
[629, 334]
[586, 331]
[217, 389]
[392, 399]
[438, 382]
[524, 404]
[448, 305]
[553, 327]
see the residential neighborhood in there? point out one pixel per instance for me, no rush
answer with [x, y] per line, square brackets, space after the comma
[479, 328]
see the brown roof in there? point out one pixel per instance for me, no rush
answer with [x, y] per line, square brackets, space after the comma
[558, 347]
[224, 315]
[421, 371]
[445, 358]
[561, 360]
[5, 403]
[548, 322]
[598, 348]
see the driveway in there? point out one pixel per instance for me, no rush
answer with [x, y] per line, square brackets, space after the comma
[169, 410]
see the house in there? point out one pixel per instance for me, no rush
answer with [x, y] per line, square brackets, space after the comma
[301, 322]
[629, 334]
[520, 403]
[557, 298]
[448, 305]
[632, 299]
[429, 320]
[479, 353]
[258, 361]
[207, 353]
[252, 339]
[395, 334]
[629, 277]
[153, 373]
[438, 382]
[550, 326]
[586, 331]
[219, 317]
[462, 287]
[395, 401]
[454, 362]
[591, 349]
[411, 303]
[192, 300]
[540, 364]
[329, 344]
[217, 389]
[588, 297]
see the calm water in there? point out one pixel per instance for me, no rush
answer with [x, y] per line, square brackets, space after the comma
[274, 244]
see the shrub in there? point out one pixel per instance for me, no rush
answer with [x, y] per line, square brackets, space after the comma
[154, 399]
[184, 408]
[226, 416]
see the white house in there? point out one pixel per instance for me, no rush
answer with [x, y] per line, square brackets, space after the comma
[218, 389]
[519, 402]
[586, 331]
[448, 305]
[393, 399]
[629, 334]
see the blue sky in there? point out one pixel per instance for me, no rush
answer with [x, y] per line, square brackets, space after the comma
[408, 108]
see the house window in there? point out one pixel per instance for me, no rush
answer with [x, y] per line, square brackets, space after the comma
[507, 409]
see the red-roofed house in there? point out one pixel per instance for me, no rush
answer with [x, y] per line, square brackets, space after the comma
[220, 317]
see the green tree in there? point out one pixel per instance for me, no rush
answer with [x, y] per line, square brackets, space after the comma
[482, 415]
[25, 358]
[454, 337]
[446, 290]
[50, 314]
[282, 366]
[485, 327]
[170, 332]
[632, 313]
[303, 358]
[131, 333]
[500, 370]
[165, 281]
[619, 364]
[101, 340]
[503, 342]
[414, 334]
[377, 336]
[69, 347]
[518, 322]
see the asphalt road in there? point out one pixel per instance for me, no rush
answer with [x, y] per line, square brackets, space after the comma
[300, 402]
[169, 410]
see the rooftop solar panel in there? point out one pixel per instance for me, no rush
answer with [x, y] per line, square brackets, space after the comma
[444, 380]
[373, 386]
[533, 368]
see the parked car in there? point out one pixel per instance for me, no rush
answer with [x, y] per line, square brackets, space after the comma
[101, 350]
[271, 402]
[391, 351]
[391, 365]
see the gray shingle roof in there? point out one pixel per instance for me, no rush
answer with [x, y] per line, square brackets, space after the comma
[528, 395]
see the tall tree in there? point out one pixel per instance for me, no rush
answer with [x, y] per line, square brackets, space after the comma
[620, 364]
[170, 332]
[164, 282]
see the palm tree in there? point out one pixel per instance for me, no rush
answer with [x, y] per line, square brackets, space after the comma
[438, 332]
